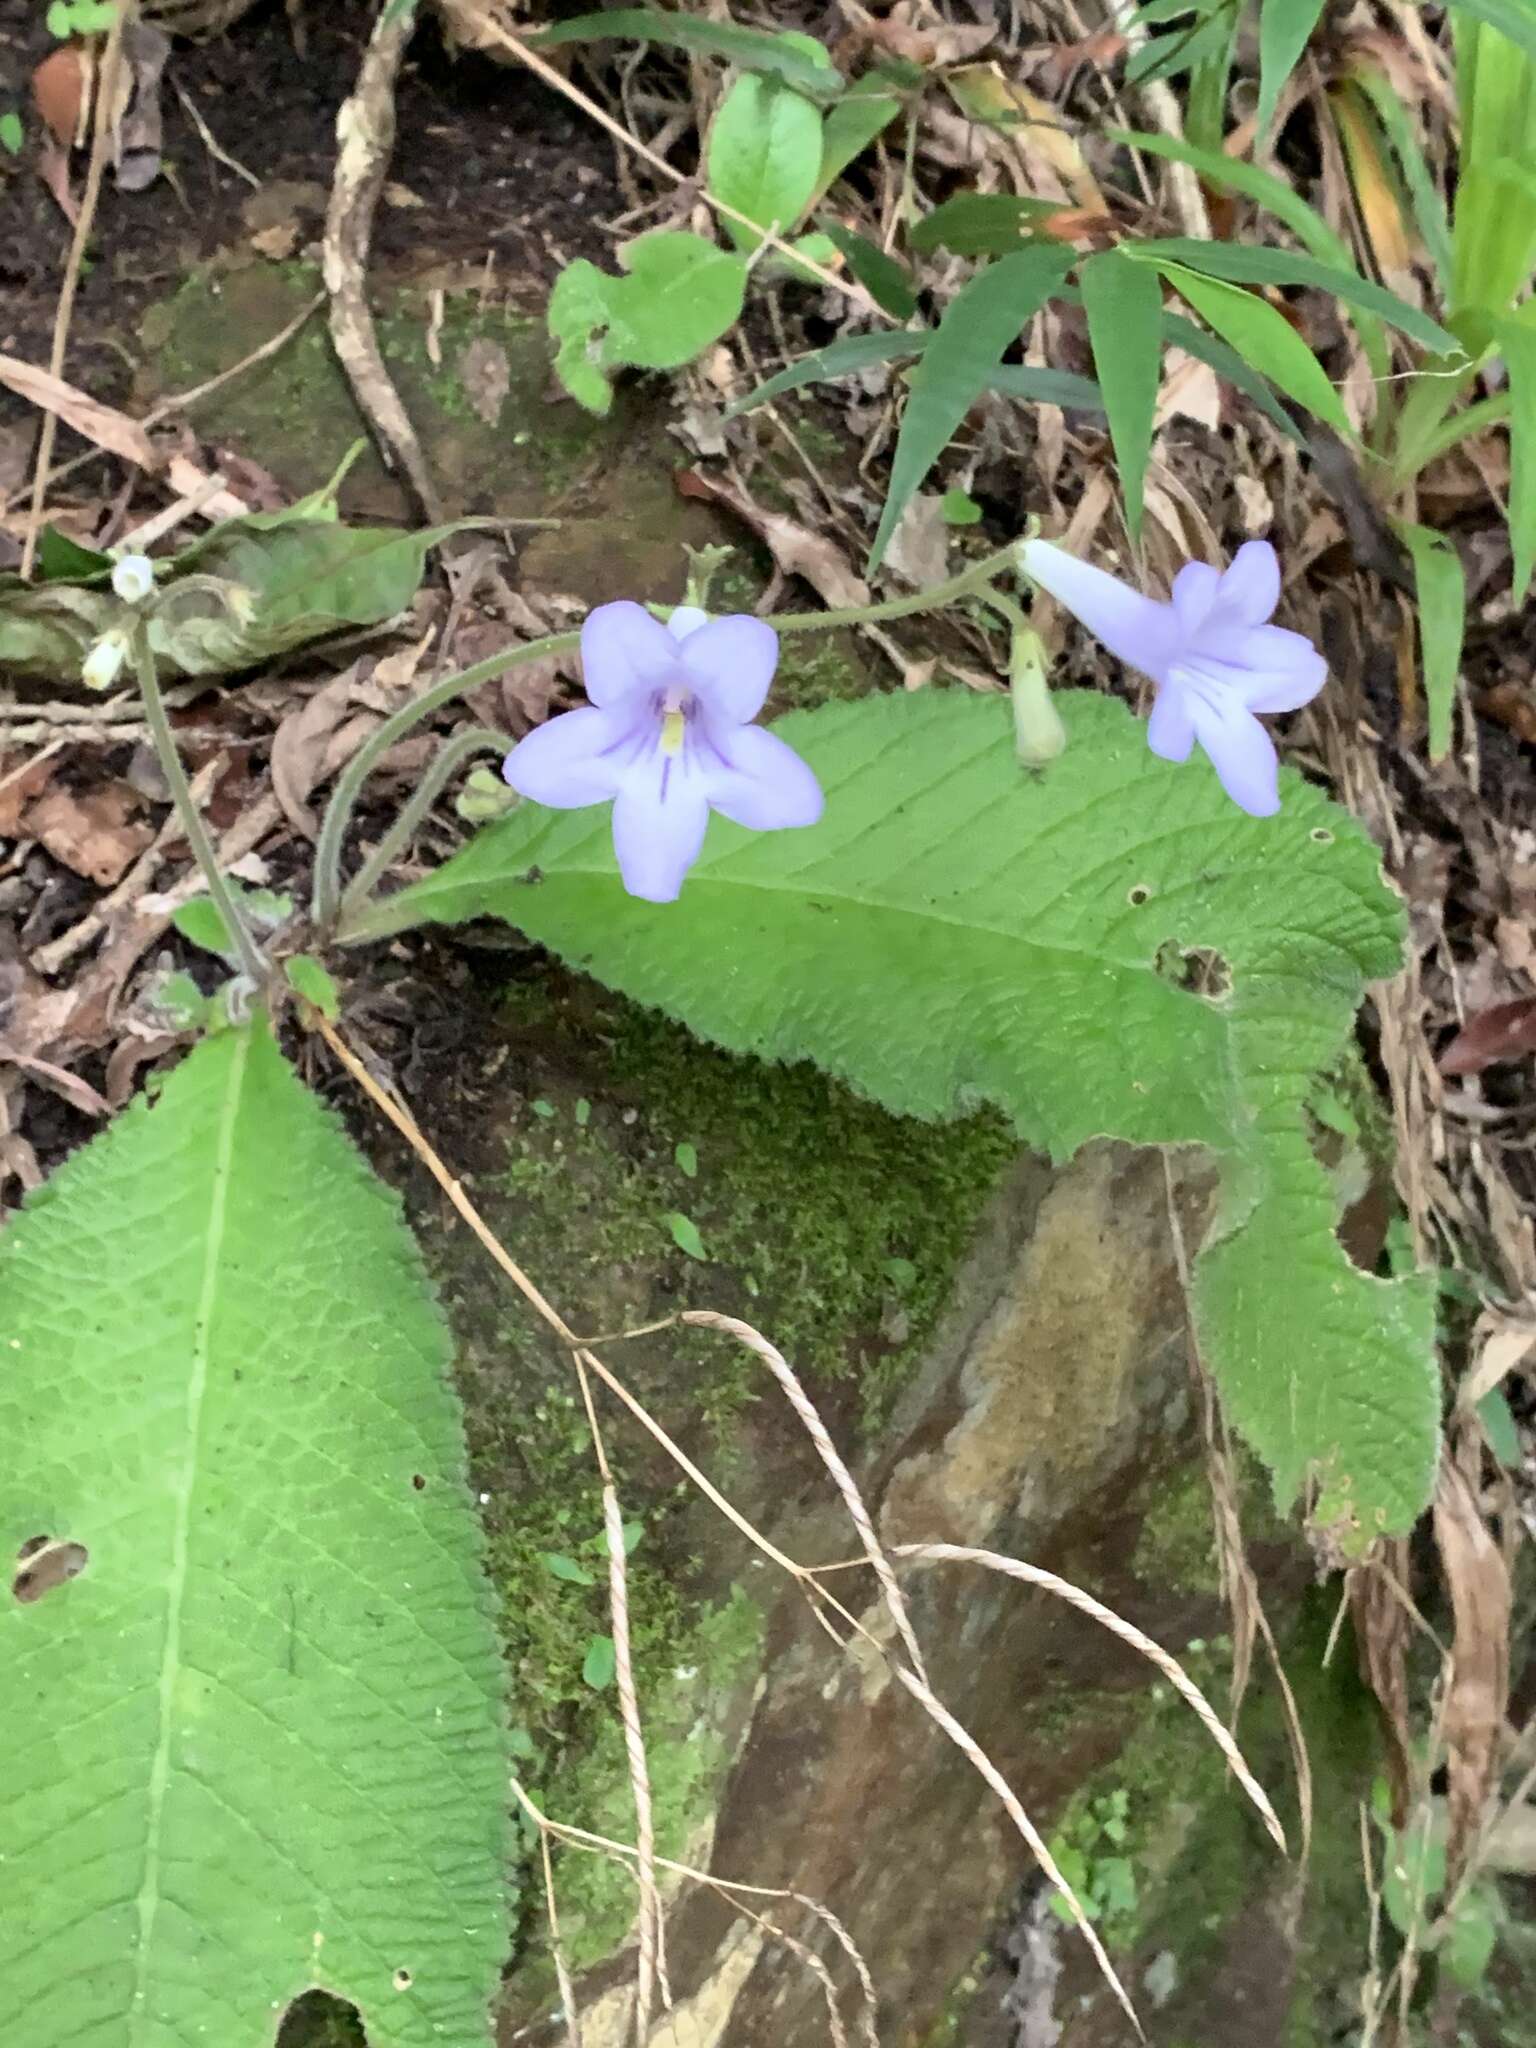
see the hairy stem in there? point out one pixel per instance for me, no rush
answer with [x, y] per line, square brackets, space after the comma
[186, 808]
[480, 739]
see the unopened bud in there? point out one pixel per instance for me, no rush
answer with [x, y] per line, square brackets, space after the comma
[133, 578]
[1038, 733]
[104, 662]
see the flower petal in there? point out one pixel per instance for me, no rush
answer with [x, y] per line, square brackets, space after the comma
[761, 783]
[1250, 588]
[1171, 728]
[1240, 751]
[568, 762]
[656, 839]
[686, 619]
[1282, 669]
[624, 650]
[730, 663]
[1137, 630]
[1194, 592]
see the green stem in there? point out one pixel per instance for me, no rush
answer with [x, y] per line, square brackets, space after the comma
[333, 830]
[186, 808]
[966, 584]
[480, 739]
[1487, 412]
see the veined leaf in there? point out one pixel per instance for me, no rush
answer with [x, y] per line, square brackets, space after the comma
[784, 57]
[958, 930]
[1124, 302]
[978, 325]
[1517, 344]
[881, 275]
[1441, 586]
[1284, 29]
[263, 1725]
[680, 294]
[763, 157]
[1264, 338]
[1240, 263]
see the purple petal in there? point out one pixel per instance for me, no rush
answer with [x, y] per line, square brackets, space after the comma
[1240, 751]
[657, 841]
[625, 650]
[564, 763]
[1194, 592]
[1171, 728]
[686, 619]
[1136, 629]
[1250, 589]
[730, 663]
[762, 783]
[1283, 670]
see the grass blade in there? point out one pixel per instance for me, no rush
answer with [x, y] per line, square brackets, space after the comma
[1517, 344]
[1441, 586]
[966, 348]
[843, 358]
[1264, 338]
[1124, 303]
[1285, 27]
[1238, 263]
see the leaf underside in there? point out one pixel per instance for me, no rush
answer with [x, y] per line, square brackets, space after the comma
[257, 1744]
[958, 931]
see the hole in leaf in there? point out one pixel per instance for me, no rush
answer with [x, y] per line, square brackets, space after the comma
[1200, 969]
[42, 1564]
[402, 1979]
[317, 2020]
[1138, 895]
[418, 1480]
[1321, 836]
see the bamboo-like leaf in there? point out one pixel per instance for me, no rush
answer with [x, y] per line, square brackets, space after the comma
[1124, 302]
[1441, 586]
[1284, 29]
[1240, 263]
[886, 280]
[1517, 343]
[1264, 338]
[785, 57]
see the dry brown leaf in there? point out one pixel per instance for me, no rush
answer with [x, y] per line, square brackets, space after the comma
[1379, 1609]
[58, 1081]
[1505, 1346]
[1507, 1031]
[96, 835]
[927, 42]
[919, 549]
[796, 550]
[1477, 1691]
[486, 377]
[20, 781]
[301, 744]
[276, 243]
[103, 424]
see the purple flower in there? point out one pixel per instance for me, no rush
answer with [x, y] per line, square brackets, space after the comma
[1211, 652]
[668, 737]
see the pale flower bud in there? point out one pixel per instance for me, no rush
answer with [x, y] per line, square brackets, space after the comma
[133, 578]
[104, 662]
[1038, 733]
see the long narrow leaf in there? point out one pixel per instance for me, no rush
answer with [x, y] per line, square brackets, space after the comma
[981, 224]
[1238, 263]
[1226, 362]
[1046, 387]
[1513, 18]
[1124, 303]
[966, 348]
[1441, 586]
[844, 358]
[777, 56]
[1517, 344]
[1284, 29]
[1264, 338]
[882, 276]
[848, 131]
[1428, 206]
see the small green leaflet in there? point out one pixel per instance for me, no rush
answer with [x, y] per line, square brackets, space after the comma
[264, 1725]
[1259, 335]
[1284, 29]
[687, 1158]
[881, 275]
[308, 978]
[1516, 335]
[784, 57]
[763, 157]
[680, 294]
[979, 324]
[850, 128]
[1040, 979]
[959, 508]
[561, 1567]
[11, 133]
[599, 1664]
[1124, 302]
[1441, 588]
[685, 1235]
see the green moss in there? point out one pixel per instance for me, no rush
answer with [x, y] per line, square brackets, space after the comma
[1177, 1544]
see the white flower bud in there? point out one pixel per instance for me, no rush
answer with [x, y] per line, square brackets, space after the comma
[1038, 733]
[104, 662]
[133, 578]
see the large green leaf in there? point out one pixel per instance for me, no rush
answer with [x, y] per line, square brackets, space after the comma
[792, 58]
[680, 293]
[257, 1743]
[1124, 302]
[764, 156]
[957, 929]
[1513, 18]
[979, 323]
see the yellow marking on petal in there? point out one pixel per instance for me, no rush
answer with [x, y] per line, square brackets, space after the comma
[673, 726]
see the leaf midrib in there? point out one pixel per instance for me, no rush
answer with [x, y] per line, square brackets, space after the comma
[170, 1656]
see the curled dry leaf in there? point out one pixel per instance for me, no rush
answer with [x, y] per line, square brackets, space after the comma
[485, 377]
[1506, 1031]
[1477, 1692]
[302, 745]
[796, 550]
[103, 424]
